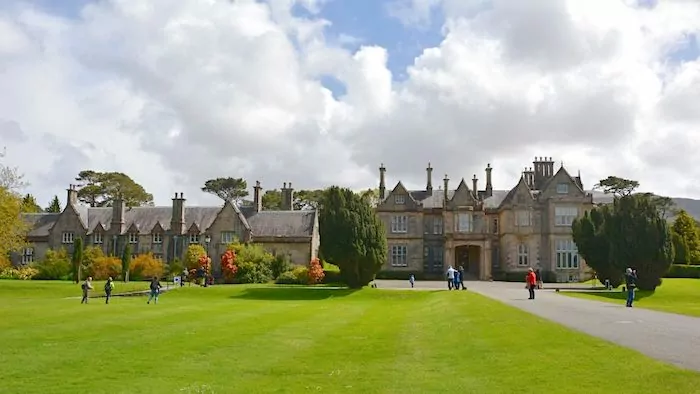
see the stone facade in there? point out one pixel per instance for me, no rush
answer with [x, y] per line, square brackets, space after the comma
[488, 232]
[168, 231]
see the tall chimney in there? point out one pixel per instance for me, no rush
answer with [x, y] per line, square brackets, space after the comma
[177, 219]
[118, 223]
[72, 198]
[257, 197]
[287, 197]
[446, 185]
[429, 183]
[475, 185]
[489, 185]
[382, 182]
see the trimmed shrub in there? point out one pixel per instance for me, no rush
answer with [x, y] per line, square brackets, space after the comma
[103, 267]
[146, 266]
[279, 265]
[55, 265]
[24, 273]
[297, 276]
[683, 271]
[332, 277]
[254, 263]
[249, 272]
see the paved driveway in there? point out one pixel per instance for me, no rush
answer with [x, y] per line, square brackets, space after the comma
[664, 336]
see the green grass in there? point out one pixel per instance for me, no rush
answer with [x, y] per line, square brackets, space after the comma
[260, 339]
[674, 295]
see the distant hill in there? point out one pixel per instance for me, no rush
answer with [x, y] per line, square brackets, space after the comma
[688, 204]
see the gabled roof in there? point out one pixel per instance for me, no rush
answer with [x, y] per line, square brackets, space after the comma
[568, 177]
[463, 191]
[521, 185]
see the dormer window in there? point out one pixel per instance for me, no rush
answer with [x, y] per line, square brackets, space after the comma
[97, 238]
[157, 238]
[563, 188]
[400, 199]
[133, 238]
[194, 238]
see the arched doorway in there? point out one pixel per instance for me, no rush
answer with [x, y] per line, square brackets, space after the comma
[469, 257]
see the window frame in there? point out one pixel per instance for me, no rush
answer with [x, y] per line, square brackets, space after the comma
[157, 238]
[399, 255]
[562, 188]
[97, 238]
[27, 255]
[133, 237]
[566, 254]
[399, 224]
[523, 255]
[469, 227]
[224, 238]
[564, 216]
[438, 225]
[194, 238]
[67, 237]
[523, 214]
[400, 199]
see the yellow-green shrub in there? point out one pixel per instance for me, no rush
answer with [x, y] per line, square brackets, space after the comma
[146, 266]
[104, 267]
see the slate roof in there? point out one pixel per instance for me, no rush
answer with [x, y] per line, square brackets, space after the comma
[436, 199]
[264, 224]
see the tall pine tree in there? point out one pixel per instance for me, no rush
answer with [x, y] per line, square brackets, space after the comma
[126, 262]
[54, 205]
[352, 236]
[77, 259]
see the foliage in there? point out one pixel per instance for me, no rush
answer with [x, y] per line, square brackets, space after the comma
[680, 249]
[630, 233]
[249, 272]
[228, 265]
[371, 196]
[56, 265]
[10, 178]
[54, 205]
[90, 254]
[227, 189]
[5, 262]
[146, 266]
[315, 271]
[272, 200]
[352, 236]
[29, 204]
[23, 273]
[689, 237]
[683, 271]
[194, 252]
[254, 263]
[104, 267]
[176, 266]
[77, 258]
[100, 189]
[299, 275]
[617, 186]
[12, 228]
[126, 263]
[301, 200]
[279, 265]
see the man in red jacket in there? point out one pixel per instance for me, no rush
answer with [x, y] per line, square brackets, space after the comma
[531, 280]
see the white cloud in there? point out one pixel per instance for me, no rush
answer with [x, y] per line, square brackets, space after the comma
[176, 93]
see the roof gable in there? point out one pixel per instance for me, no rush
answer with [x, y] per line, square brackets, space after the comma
[399, 199]
[520, 194]
[462, 196]
[193, 229]
[157, 228]
[230, 208]
[555, 186]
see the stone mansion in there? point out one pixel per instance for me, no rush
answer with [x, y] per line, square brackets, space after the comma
[487, 231]
[168, 231]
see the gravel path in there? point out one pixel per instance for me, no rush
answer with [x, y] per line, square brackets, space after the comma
[665, 336]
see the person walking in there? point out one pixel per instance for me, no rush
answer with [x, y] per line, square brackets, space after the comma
[450, 277]
[411, 279]
[531, 283]
[109, 286]
[631, 284]
[155, 290]
[461, 277]
[86, 286]
[538, 276]
[457, 280]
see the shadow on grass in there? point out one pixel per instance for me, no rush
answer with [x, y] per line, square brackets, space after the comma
[615, 294]
[285, 293]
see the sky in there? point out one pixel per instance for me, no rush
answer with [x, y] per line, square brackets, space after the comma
[322, 92]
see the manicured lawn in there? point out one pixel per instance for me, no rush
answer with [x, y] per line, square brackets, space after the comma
[264, 339]
[674, 295]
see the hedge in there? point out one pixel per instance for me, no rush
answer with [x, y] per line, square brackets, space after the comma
[683, 271]
[403, 275]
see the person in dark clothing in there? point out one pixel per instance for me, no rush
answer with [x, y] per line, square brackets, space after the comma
[461, 277]
[538, 276]
[109, 286]
[155, 290]
[631, 285]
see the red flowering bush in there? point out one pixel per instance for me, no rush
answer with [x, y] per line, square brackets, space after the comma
[228, 265]
[315, 272]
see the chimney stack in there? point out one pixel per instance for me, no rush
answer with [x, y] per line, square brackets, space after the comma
[287, 197]
[489, 185]
[475, 185]
[446, 185]
[257, 197]
[382, 183]
[72, 198]
[177, 220]
[118, 223]
[429, 183]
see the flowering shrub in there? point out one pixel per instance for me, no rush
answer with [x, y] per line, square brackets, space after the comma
[24, 273]
[54, 266]
[253, 261]
[315, 271]
[103, 267]
[146, 266]
[228, 265]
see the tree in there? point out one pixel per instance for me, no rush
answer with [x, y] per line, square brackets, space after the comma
[29, 204]
[54, 205]
[228, 265]
[126, 262]
[12, 228]
[272, 200]
[632, 233]
[227, 189]
[100, 189]
[315, 272]
[146, 266]
[10, 177]
[617, 186]
[371, 196]
[77, 259]
[687, 230]
[680, 248]
[301, 200]
[353, 237]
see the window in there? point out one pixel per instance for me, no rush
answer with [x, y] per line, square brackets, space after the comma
[158, 256]
[567, 254]
[427, 224]
[398, 256]
[67, 237]
[157, 238]
[194, 238]
[438, 256]
[464, 222]
[399, 224]
[494, 223]
[97, 238]
[523, 218]
[437, 225]
[227, 237]
[523, 255]
[28, 255]
[400, 199]
[133, 238]
[564, 216]
[563, 188]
